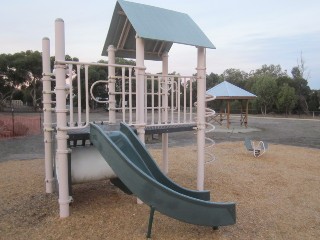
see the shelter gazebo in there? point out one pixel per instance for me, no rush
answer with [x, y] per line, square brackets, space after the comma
[227, 91]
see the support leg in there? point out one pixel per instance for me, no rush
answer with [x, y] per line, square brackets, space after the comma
[165, 153]
[152, 209]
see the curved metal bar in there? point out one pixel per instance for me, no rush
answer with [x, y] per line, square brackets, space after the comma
[91, 88]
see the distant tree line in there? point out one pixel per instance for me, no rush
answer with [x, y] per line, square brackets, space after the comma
[276, 91]
[21, 73]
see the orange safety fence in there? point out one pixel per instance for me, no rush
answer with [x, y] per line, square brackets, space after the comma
[19, 125]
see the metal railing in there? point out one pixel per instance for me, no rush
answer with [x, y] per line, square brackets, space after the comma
[168, 99]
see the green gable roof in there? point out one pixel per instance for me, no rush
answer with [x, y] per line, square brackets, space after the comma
[159, 27]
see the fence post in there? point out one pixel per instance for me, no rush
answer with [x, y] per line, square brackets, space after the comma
[12, 117]
[40, 120]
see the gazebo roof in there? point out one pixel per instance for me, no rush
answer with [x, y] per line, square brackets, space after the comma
[159, 27]
[226, 90]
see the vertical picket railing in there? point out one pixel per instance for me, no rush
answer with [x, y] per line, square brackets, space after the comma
[174, 88]
[124, 94]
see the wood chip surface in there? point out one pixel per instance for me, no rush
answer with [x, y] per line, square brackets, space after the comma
[277, 197]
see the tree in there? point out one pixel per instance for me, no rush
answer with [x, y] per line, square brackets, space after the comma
[12, 77]
[32, 66]
[274, 71]
[263, 83]
[235, 76]
[302, 89]
[265, 87]
[314, 101]
[285, 80]
[300, 83]
[212, 80]
[286, 98]
[5, 90]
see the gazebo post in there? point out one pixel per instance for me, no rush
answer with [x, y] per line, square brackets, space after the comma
[247, 110]
[241, 108]
[242, 113]
[228, 113]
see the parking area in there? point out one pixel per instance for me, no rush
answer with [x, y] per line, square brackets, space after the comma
[287, 131]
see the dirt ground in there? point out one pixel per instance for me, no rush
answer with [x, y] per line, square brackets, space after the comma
[277, 196]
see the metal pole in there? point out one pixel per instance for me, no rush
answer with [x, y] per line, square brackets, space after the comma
[47, 115]
[61, 111]
[152, 209]
[201, 91]
[140, 104]
[130, 95]
[123, 95]
[12, 119]
[152, 99]
[111, 85]
[79, 94]
[140, 81]
[146, 100]
[71, 123]
[165, 136]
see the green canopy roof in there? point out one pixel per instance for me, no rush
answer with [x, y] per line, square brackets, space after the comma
[159, 27]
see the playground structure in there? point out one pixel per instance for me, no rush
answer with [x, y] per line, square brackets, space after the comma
[166, 101]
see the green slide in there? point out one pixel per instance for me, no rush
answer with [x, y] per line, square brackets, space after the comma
[153, 166]
[132, 163]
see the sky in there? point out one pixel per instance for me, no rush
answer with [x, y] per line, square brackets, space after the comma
[246, 33]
